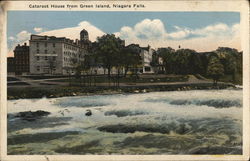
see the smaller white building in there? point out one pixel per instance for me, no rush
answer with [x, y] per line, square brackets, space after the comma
[146, 54]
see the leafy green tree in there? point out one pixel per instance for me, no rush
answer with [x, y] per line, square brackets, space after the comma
[183, 61]
[215, 69]
[86, 68]
[52, 64]
[204, 57]
[75, 69]
[195, 65]
[108, 49]
[239, 63]
[130, 58]
[74, 66]
[168, 57]
[229, 58]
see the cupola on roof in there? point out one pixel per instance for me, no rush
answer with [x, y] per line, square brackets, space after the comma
[84, 31]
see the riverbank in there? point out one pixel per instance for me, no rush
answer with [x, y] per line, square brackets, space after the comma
[61, 91]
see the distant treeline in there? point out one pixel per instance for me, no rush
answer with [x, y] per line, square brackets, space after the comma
[215, 64]
[110, 52]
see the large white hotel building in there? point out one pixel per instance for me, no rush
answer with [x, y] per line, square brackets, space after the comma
[54, 55]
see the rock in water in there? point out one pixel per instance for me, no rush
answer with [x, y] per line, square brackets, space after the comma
[32, 116]
[88, 113]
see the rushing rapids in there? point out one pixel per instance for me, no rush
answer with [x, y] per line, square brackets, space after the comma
[178, 122]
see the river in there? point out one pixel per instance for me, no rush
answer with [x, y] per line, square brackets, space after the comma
[176, 122]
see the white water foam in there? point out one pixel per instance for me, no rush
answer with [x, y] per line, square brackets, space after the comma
[158, 112]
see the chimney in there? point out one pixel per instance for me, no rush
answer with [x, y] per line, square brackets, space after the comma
[77, 42]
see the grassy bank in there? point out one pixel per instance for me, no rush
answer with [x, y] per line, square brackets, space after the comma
[60, 91]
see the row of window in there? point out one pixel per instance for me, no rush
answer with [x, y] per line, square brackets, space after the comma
[70, 47]
[67, 59]
[22, 57]
[45, 51]
[67, 64]
[45, 44]
[22, 68]
[22, 62]
[46, 58]
[46, 69]
[70, 54]
[21, 53]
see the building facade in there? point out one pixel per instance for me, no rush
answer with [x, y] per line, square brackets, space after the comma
[11, 65]
[146, 54]
[21, 59]
[50, 55]
[57, 55]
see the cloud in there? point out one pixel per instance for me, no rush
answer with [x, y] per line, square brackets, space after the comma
[208, 38]
[19, 38]
[70, 32]
[153, 29]
[11, 38]
[217, 29]
[38, 29]
[181, 33]
[74, 32]
[146, 29]
[150, 32]
[146, 32]
[23, 36]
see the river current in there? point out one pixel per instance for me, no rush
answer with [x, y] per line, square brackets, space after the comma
[176, 122]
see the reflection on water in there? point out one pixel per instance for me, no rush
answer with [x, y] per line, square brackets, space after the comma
[179, 122]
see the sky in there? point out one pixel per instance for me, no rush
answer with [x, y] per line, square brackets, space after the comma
[201, 31]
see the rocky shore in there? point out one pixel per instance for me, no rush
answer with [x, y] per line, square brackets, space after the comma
[54, 92]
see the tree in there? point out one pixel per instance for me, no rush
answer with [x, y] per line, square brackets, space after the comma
[168, 57]
[130, 58]
[86, 68]
[215, 69]
[182, 65]
[229, 58]
[195, 65]
[52, 64]
[74, 65]
[108, 48]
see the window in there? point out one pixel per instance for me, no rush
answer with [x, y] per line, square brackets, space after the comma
[54, 58]
[37, 58]
[54, 45]
[37, 51]
[45, 58]
[38, 68]
[37, 44]
[147, 69]
[45, 44]
[54, 52]
[45, 51]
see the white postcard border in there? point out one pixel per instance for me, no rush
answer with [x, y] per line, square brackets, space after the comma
[241, 6]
